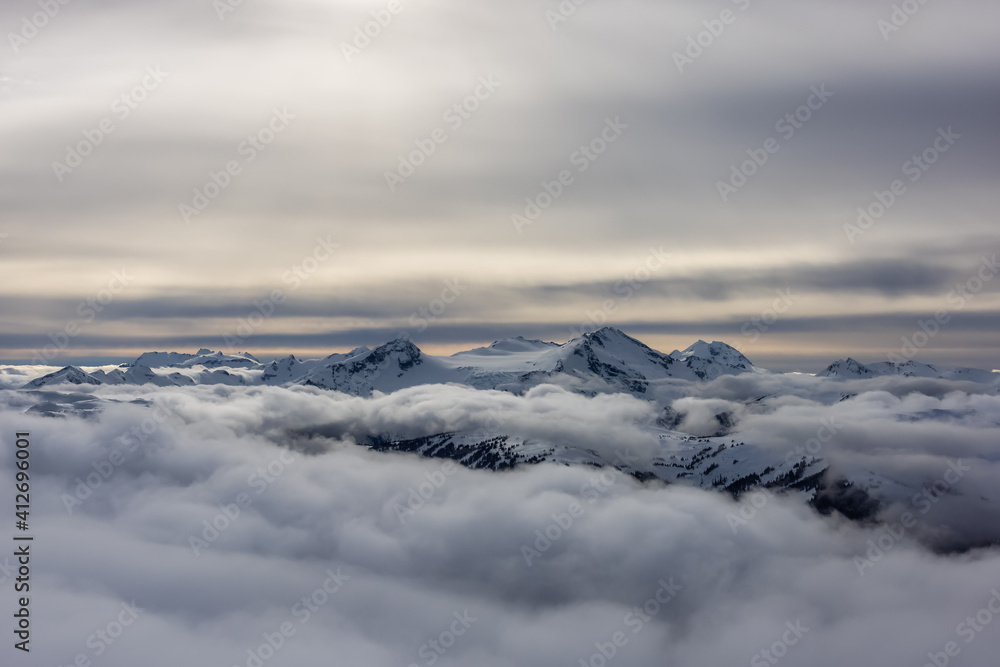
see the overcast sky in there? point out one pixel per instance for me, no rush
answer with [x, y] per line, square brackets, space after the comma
[372, 250]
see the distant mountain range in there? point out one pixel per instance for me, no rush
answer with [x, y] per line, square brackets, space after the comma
[713, 455]
[851, 369]
[603, 361]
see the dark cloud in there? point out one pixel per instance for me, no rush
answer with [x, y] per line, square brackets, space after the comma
[655, 186]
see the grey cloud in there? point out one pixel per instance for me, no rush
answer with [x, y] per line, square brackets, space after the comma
[333, 510]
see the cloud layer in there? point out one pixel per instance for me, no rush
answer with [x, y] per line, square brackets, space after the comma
[226, 507]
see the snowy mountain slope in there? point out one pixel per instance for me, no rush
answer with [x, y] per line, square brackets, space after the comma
[67, 375]
[210, 359]
[160, 359]
[723, 463]
[623, 362]
[139, 375]
[852, 369]
[607, 357]
[512, 354]
[707, 361]
[847, 368]
[134, 374]
[387, 368]
[283, 371]
[114, 376]
[605, 361]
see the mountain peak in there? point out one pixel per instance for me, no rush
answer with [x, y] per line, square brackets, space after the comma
[66, 374]
[402, 343]
[607, 332]
[848, 367]
[716, 350]
[608, 335]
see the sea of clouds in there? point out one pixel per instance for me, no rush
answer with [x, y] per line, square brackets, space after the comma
[246, 526]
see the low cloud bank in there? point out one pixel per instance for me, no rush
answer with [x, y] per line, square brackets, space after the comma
[246, 527]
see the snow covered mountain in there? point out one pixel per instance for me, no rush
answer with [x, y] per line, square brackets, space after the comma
[694, 438]
[67, 375]
[203, 357]
[604, 361]
[390, 367]
[707, 361]
[852, 369]
[723, 463]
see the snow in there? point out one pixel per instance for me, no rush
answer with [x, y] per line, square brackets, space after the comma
[852, 369]
[604, 361]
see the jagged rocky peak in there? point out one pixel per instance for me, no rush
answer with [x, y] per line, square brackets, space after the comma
[401, 348]
[65, 375]
[606, 359]
[847, 368]
[716, 350]
[616, 342]
[400, 351]
[605, 334]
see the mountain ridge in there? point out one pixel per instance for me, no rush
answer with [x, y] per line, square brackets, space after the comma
[605, 360]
